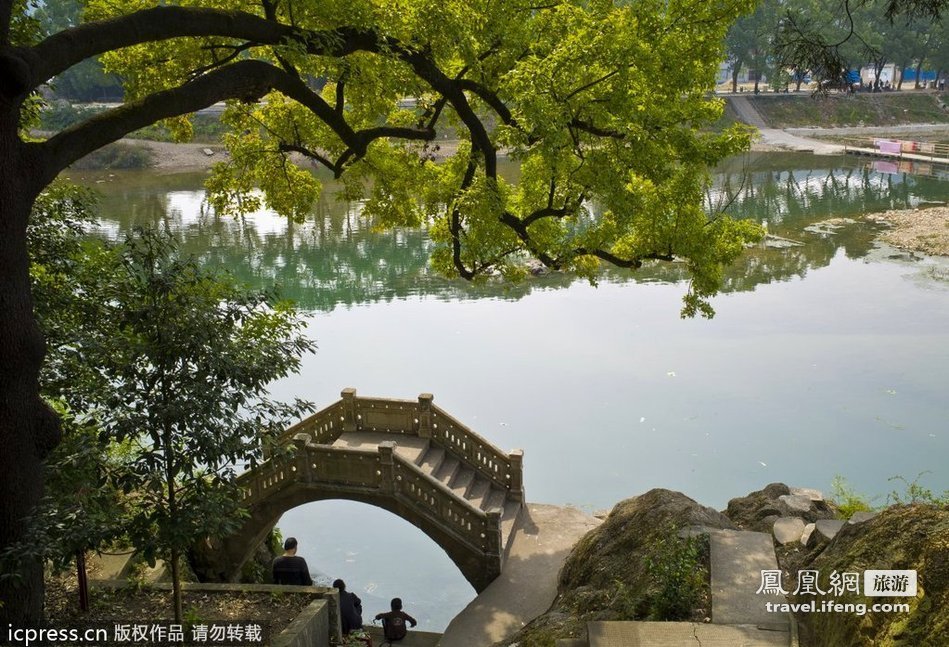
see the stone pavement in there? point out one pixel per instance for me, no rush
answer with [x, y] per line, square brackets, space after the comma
[681, 634]
[738, 557]
[412, 639]
[528, 582]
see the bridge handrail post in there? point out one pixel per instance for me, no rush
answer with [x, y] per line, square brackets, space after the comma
[492, 545]
[425, 415]
[516, 491]
[350, 420]
[387, 467]
[301, 457]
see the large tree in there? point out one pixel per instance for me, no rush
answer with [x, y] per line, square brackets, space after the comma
[599, 102]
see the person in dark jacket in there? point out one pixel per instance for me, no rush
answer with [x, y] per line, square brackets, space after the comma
[393, 622]
[350, 608]
[289, 568]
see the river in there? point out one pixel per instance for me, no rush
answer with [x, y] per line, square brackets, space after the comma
[826, 358]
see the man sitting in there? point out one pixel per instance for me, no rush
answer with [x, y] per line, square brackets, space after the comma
[289, 568]
[393, 622]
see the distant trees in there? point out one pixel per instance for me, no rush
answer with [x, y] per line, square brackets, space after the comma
[86, 81]
[825, 38]
[862, 32]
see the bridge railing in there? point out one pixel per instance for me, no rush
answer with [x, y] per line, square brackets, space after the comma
[504, 470]
[423, 419]
[381, 472]
[323, 427]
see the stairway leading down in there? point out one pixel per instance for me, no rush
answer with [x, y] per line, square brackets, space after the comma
[464, 481]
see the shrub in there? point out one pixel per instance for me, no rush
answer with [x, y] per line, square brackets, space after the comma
[117, 156]
[679, 575]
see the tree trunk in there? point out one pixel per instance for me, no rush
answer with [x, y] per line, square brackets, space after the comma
[82, 580]
[919, 67]
[735, 71]
[28, 428]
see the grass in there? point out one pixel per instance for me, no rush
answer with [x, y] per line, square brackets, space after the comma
[862, 109]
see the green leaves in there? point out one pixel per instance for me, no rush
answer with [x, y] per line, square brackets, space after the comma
[160, 369]
[602, 103]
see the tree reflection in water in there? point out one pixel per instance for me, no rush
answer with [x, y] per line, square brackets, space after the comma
[337, 257]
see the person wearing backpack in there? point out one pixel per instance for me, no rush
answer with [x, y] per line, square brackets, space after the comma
[393, 622]
[350, 608]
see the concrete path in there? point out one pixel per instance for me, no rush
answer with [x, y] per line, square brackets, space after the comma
[784, 139]
[681, 634]
[528, 582]
[746, 112]
[737, 559]
[412, 639]
[776, 137]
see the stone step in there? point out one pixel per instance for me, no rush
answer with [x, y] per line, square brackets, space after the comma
[480, 489]
[447, 470]
[432, 459]
[737, 558]
[682, 634]
[495, 499]
[462, 481]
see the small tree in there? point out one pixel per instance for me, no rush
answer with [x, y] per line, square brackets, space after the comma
[182, 359]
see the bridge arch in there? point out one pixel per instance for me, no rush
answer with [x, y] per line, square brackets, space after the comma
[408, 458]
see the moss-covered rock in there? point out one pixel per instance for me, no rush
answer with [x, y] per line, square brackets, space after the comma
[901, 537]
[607, 575]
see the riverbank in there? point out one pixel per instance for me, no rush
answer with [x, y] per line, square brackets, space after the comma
[916, 230]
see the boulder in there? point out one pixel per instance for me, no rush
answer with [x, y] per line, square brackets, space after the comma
[863, 515]
[812, 494]
[806, 535]
[828, 528]
[788, 530]
[796, 503]
[911, 537]
[824, 531]
[606, 576]
[760, 509]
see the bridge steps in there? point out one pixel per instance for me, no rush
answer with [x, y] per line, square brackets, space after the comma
[479, 492]
[435, 461]
[447, 470]
[432, 459]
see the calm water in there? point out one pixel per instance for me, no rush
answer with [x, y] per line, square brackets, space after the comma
[824, 359]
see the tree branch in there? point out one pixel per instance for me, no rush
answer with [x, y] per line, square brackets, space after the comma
[451, 89]
[245, 80]
[61, 51]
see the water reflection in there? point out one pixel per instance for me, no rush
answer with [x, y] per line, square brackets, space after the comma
[337, 258]
[608, 392]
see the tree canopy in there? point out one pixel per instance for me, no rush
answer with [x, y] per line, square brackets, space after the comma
[603, 106]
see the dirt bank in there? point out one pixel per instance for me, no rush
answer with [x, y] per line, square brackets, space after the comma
[917, 230]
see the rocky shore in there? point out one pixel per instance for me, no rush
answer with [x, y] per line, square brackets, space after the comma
[611, 573]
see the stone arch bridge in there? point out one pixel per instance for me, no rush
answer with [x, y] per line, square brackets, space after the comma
[408, 457]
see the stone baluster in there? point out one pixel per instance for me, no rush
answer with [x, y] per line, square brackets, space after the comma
[302, 458]
[425, 415]
[387, 466]
[350, 421]
[516, 484]
[492, 545]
